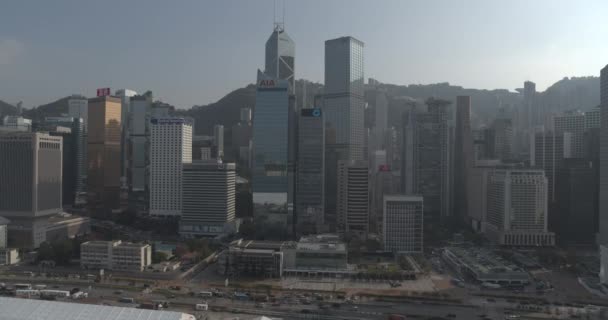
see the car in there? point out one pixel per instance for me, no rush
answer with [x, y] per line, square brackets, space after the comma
[451, 315]
[335, 305]
[118, 292]
[305, 311]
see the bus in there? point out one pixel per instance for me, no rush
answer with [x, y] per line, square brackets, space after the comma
[126, 300]
[55, 293]
[26, 293]
[23, 286]
[205, 294]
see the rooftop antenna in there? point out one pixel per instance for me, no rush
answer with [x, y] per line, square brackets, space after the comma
[279, 26]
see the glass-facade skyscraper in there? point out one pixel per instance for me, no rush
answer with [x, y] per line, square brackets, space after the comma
[280, 56]
[309, 200]
[343, 111]
[270, 185]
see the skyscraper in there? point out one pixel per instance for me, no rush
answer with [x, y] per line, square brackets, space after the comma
[208, 198]
[71, 129]
[576, 202]
[170, 149]
[218, 140]
[353, 198]
[425, 169]
[517, 208]
[271, 151]
[138, 143]
[343, 109]
[125, 97]
[403, 227]
[280, 56]
[30, 174]
[547, 151]
[310, 172]
[463, 155]
[104, 158]
[572, 122]
[381, 123]
[30, 184]
[603, 215]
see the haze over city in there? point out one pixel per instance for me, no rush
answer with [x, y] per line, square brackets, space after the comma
[328, 160]
[196, 52]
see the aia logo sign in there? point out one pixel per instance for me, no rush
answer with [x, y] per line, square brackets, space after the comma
[267, 83]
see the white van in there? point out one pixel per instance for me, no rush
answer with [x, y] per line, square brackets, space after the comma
[201, 307]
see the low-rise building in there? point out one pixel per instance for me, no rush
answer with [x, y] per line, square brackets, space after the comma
[320, 253]
[115, 255]
[8, 256]
[484, 266]
[255, 258]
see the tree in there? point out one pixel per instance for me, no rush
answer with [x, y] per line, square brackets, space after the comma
[159, 257]
[247, 229]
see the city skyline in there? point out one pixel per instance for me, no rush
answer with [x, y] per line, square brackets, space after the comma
[44, 59]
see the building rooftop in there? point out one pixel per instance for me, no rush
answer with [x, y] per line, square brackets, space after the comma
[28, 309]
[483, 261]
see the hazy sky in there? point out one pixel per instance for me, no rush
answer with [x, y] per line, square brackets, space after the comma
[194, 52]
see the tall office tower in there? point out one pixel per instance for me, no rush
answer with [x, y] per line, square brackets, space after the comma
[71, 129]
[271, 151]
[603, 218]
[245, 116]
[310, 182]
[517, 208]
[576, 202]
[592, 118]
[463, 150]
[381, 123]
[353, 198]
[425, 168]
[530, 105]
[572, 122]
[343, 110]
[16, 124]
[384, 181]
[526, 120]
[403, 227]
[30, 182]
[477, 192]
[138, 143]
[218, 141]
[479, 144]
[280, 56]
[125, 97]
[241, 139]
[208, 198]
[547, 151]
[170, 149]
[502, 140]
[103, 154]
[78, 107]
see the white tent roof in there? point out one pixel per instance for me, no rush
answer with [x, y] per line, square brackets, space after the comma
[29, 309]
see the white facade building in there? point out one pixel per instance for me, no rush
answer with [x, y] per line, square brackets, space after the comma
[403, 217]
[115, 255]
[170, 148]
[517, 208]
[208, 198]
